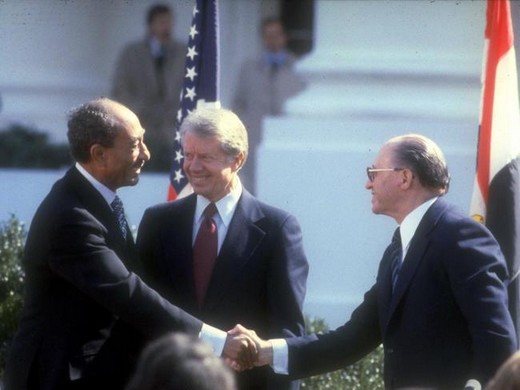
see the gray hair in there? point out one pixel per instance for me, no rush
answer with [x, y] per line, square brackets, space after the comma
[89, 124]
[219, 123]
[421, 155]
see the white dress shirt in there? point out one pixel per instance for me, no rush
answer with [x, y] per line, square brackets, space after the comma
[105, 192]
[225, 210]
[411, 222]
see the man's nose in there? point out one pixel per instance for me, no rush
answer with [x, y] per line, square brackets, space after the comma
[144, 153]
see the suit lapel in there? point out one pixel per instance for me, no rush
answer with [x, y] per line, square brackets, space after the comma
[177, 236]
[242, 239]
[415, 254]
[96, 205]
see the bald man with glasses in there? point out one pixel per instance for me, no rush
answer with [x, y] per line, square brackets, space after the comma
[439, 303]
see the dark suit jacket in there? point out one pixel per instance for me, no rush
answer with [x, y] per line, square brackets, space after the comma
[446, 322]
[84, 307]
[259, 278]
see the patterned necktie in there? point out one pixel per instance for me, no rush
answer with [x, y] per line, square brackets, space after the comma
[397, 255]
[119, 211]
[205, 252]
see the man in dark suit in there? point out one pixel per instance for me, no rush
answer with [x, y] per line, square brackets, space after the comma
[257, 270]
[86, 311]
[439, 304]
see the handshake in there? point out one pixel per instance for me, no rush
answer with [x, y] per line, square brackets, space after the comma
[244, 350]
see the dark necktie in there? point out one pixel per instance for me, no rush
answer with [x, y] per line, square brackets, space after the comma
[205, 252]
[119, 211]
[397, 254]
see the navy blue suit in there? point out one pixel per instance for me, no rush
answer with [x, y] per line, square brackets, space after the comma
[446, 322]
[259, 279]
[84, 306]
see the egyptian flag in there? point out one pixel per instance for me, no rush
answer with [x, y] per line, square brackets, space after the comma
[496, 194]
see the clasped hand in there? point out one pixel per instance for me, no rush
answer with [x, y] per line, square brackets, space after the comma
[244, 350]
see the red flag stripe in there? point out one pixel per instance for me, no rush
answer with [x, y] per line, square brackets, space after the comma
[500, 39]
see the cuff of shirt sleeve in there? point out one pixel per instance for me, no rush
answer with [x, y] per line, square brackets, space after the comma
[214, 337]
[473, 384]
[280, 356]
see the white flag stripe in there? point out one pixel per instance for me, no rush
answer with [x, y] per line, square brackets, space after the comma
[505, 137]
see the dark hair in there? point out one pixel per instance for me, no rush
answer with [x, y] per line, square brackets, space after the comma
[89, 124]
[177, 361]
[424, 158]
[155, 10]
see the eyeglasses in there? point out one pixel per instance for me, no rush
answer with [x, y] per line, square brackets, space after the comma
[371, 171]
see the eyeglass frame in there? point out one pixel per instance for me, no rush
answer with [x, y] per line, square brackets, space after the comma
[371, 172]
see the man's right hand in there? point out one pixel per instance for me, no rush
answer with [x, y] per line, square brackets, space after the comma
[258, 354]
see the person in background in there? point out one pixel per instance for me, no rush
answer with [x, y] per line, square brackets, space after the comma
[439, 303]
[177, 361]
[86, 311]
[148, 78]
[221, 254]
[263, 86]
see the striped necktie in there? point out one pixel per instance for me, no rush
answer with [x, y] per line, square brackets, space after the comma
[119, 211]
[397, 257]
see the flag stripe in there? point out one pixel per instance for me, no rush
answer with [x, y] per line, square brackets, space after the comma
[500, 37]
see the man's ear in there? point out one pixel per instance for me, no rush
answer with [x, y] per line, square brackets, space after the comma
[238, 161]
[407, 178]
[98, 154]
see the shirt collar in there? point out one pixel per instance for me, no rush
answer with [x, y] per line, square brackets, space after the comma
[411, 222]
[105, 192]
[225, 206]
[275, 58]
[156, 48]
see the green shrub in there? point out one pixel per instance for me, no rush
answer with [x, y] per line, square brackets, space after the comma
[12, 238]
[366, 374]
[24, 147]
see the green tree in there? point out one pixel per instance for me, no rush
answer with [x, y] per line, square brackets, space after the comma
[366, 374]
[12, 239]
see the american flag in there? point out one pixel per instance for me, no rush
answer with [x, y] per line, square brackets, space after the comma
[201, 82]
